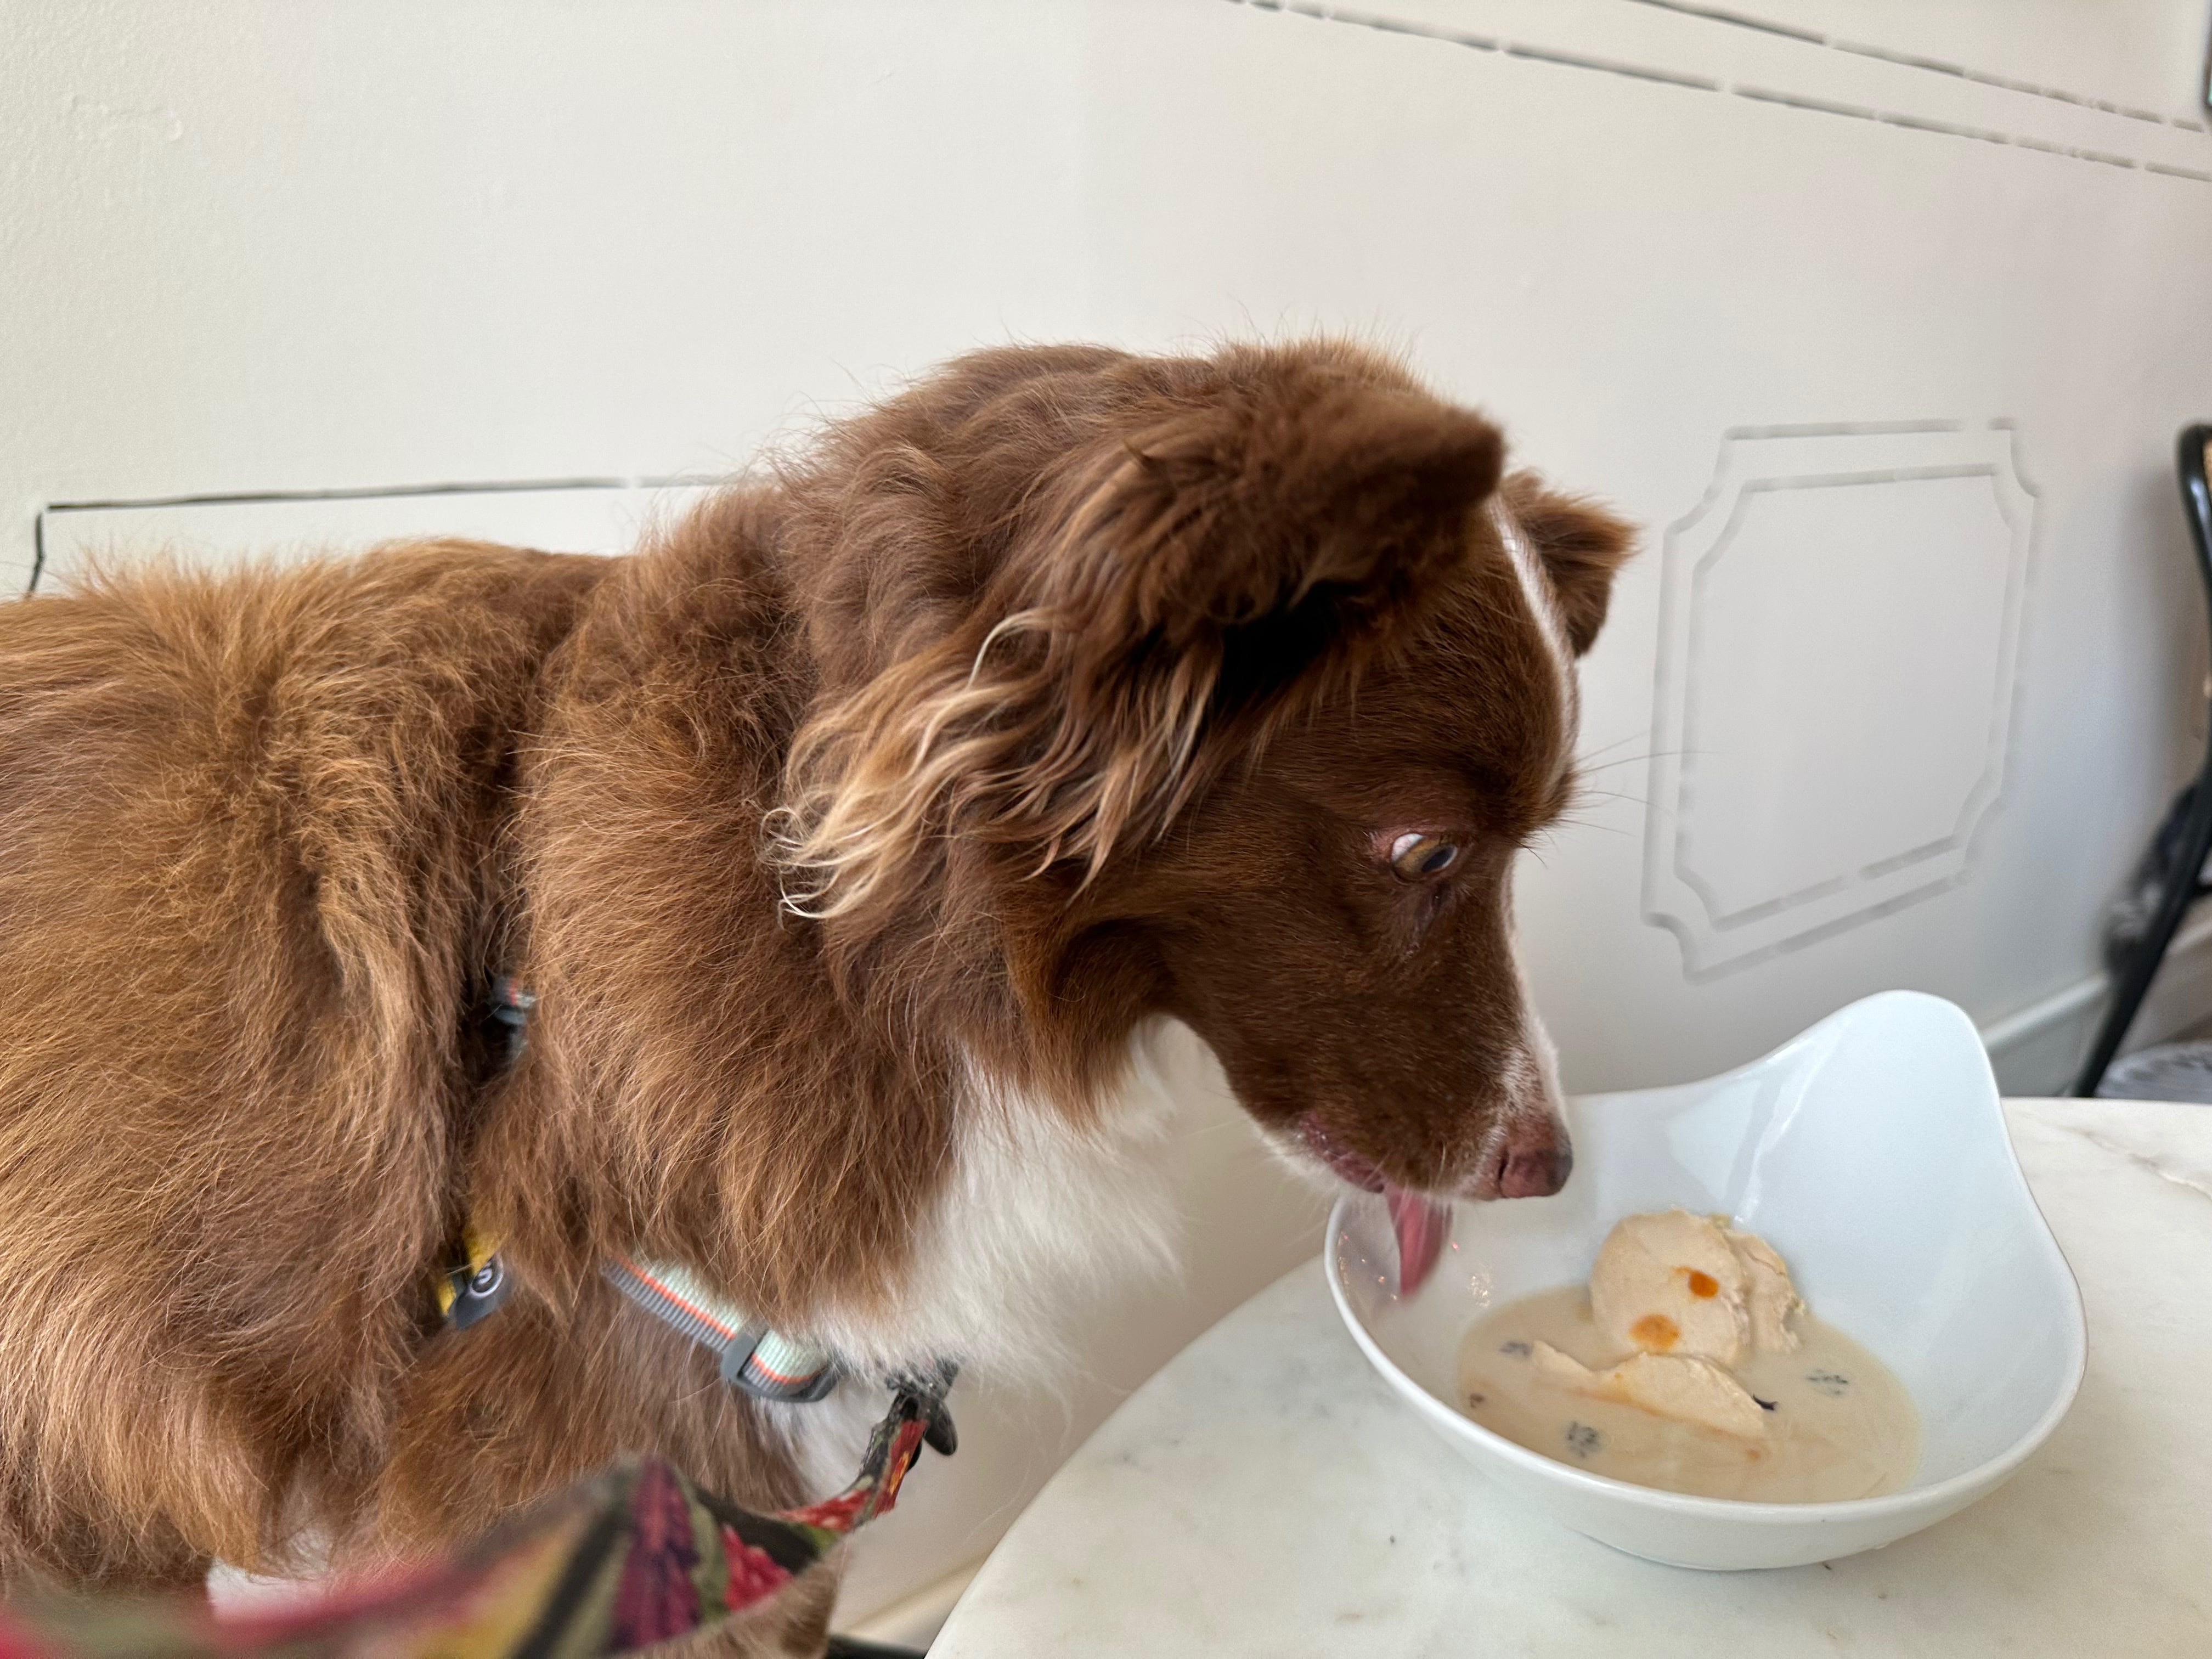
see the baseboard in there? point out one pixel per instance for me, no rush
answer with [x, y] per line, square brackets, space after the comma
[2037, 1049]
[914, 1621]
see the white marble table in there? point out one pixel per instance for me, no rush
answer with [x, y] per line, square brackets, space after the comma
[1265, 1494]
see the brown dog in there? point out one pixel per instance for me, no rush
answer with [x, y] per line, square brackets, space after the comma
[848, 834]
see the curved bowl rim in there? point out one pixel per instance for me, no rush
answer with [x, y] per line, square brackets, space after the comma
[1965, 1485]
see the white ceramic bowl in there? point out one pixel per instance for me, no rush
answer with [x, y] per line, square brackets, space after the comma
[1870, 1151]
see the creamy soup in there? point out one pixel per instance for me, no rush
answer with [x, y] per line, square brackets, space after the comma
[1837, 1424]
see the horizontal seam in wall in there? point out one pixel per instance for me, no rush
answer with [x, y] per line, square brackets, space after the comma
[1913, 60]
[360, 492]
[1893, 118]
[379, 492]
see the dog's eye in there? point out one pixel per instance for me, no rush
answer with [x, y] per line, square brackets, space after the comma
[1416, 857]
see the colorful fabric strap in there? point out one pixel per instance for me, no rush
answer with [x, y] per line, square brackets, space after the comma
[763, 1363]
[766, 1363]
[636, 1556]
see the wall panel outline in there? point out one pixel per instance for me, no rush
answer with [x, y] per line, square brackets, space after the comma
[1838, 665]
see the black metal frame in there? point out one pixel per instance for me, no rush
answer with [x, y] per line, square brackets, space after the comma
[2183, 877]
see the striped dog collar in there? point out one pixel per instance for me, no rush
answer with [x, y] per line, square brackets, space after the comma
[765, 1363]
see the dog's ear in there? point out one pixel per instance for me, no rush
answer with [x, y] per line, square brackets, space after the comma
[1582, 547]
[1202, 568]
[1259, 544]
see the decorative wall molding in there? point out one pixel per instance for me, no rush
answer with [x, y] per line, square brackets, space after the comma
[1735, 54]
[1839, 638]
[1736, 19]
[598, 515]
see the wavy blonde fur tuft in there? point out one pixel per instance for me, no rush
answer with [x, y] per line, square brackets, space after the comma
[1163, 582]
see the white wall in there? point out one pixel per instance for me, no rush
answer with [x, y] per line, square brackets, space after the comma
[305, 246]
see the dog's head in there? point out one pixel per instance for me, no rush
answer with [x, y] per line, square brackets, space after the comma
[1226, 688]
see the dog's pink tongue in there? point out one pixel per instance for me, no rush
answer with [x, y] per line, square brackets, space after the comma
[1423, 1224]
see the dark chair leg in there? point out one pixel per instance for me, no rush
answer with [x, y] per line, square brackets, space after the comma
[2181, 889]
[2193, 450]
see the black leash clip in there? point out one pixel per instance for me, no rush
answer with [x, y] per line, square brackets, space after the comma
[919, 1396]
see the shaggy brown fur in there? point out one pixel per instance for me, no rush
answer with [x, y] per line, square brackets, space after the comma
[1066, 689]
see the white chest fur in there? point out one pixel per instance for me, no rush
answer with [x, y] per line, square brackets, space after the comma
[1039, 1211]
[1038, 1215]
